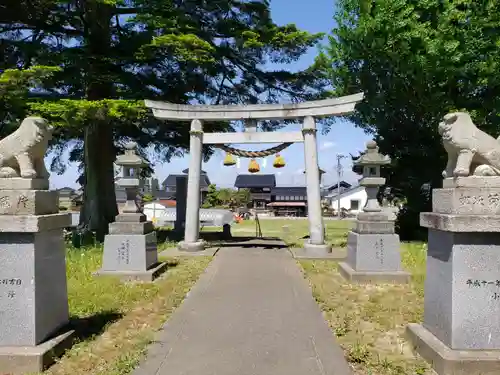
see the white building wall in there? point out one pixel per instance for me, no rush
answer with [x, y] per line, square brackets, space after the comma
[347, 198]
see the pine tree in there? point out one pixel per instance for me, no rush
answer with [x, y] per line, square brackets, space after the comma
[112, 54]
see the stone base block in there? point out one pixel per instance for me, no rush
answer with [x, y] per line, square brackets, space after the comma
[19, 183]
[191, 246]
[335, 254]
[144, 276]
[373, 227]
[372, 216]
[34, 223]
[317, 250]
[128, 227]
[397, 277]
[462, 289]
[460, 223]
[131, 218]
[466, 201]
[129, 252]
[33, 291]
[29, 202]
[22, 360]
[375, 252]
[446, 361]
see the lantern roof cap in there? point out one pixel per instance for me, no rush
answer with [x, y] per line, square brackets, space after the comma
[371, 156]
[130, 157]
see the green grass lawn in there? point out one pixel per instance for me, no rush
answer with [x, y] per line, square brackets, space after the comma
[115, 322]
[370, 320]
[293, 232]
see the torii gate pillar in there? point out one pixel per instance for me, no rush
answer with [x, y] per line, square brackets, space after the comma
[316, 244]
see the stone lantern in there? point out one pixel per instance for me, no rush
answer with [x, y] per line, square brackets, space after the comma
[130, 248]
[370, 163]
[131, 165]
[372, 245]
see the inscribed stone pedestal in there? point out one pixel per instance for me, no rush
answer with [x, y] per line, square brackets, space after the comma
[130, 252]
[33, 288]
[373, 254]
[462, 300]
[460, 333]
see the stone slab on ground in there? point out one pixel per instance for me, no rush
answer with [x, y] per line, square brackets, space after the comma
[129, 252]
[337, 253]
[22, 360]
[175, 252]
[446, 361]
[251, 312]
[146, 276]
[350, 274]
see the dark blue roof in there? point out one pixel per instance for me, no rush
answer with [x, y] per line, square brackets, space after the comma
[255, 181]
[171, 180]
[289, 190]
[343, 185]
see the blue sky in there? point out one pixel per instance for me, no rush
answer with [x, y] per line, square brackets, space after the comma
[313, 16]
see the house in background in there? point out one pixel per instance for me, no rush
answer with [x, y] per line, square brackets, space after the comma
[289, 201]
[260, 186]
[169, 185]
[331, 191]
[352, 199]
[66, 197]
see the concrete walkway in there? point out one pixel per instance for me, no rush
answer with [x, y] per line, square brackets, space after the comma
[251, 313]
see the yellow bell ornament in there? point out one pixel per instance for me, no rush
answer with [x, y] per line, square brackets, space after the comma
[253, 167]
[229, 160]
[279, 162]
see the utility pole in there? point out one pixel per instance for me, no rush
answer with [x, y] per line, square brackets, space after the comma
[339, 174]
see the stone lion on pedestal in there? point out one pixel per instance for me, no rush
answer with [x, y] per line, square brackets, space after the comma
[22, 152]
[470, 150]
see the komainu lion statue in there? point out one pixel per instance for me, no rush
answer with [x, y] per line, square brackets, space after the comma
[470, 150]
[22, 152]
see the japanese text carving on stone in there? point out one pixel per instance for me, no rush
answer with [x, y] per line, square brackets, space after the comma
[485, 283]
[379, 250]
[22, 200]
[492, 199]
[8, 287]
[124, 252]
[5, 203]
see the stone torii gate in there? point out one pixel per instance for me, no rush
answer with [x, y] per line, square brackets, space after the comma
[250, 114]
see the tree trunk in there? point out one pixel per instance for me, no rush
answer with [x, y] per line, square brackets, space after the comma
[99, 198]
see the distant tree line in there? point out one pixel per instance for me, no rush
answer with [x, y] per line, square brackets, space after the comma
[226, 198]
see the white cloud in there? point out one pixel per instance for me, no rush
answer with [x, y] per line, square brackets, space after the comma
[299, 171]
[327, 145]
